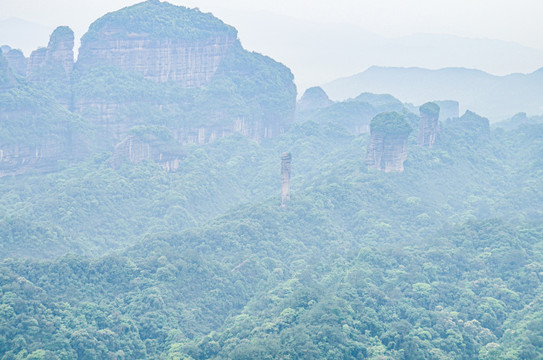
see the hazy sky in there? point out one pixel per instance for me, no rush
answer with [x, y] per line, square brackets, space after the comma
[512, 20]
[318, 53]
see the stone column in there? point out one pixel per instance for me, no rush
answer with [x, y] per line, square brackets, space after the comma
[286, 158]
[428, 124]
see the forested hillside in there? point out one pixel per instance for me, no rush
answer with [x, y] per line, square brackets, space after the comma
[443, 260]
[142, 213]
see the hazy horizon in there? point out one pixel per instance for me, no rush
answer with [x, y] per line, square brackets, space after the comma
[321, 42]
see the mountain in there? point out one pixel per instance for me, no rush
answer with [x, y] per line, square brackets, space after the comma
[496, 97]
[174, 71]
[318, 53]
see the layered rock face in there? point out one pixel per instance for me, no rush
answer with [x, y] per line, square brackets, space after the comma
[181, 67]
[60, 49]
[255, 130]
[183, 51]
[286, 159]
[387, 150]
[188, 64]
[16, 159]
[148, 64]
[52, 66]
[314, 98]
[58, 54]
[16, 59]
[136, 149]
[428, 124]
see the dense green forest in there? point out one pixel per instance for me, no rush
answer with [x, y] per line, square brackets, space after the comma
[106, 255]
[444, 260]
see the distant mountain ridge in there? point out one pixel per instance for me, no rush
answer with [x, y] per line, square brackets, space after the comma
[496, 97]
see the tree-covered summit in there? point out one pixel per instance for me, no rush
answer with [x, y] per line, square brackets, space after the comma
[390, 123]
[158, 20]
[430, 108]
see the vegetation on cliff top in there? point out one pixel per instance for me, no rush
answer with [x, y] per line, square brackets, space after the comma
[430, 108]
[390, 123]
[158, 20]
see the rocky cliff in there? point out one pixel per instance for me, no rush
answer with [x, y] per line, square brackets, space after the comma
[52, 66]
[313, 98]
[147, 146]
[145, 65]
[159, 63]
[16, 60]
[428, 124]
[286, 159]
[163, 42]
[387, 150]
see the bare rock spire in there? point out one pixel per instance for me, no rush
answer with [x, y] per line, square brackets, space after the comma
[286, 158]
[428, 124]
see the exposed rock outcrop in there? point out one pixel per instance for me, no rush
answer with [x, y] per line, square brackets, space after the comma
[161, 41]
[36, 61]
[16, 159]
[387, 150]
[155, 62]
[313, 98]
[59, 54]
[136, 148]
[52, 66]
[286, 159]
[16, 59]
[428, 124]
[60, 49]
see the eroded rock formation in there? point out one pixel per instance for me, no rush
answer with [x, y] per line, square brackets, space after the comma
[387, 150]
[54, 60]
[138, 148]
[187, 50]
[52, 66]
[428, 124]
[19, 158]
[286, 159]
[163, 61]
[16, 60]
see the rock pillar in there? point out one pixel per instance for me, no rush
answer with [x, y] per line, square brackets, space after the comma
[387, 149]
[428, 124]
[285, 178]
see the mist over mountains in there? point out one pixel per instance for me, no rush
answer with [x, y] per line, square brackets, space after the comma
[318, 53]
[164, 195]
[497, 97]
